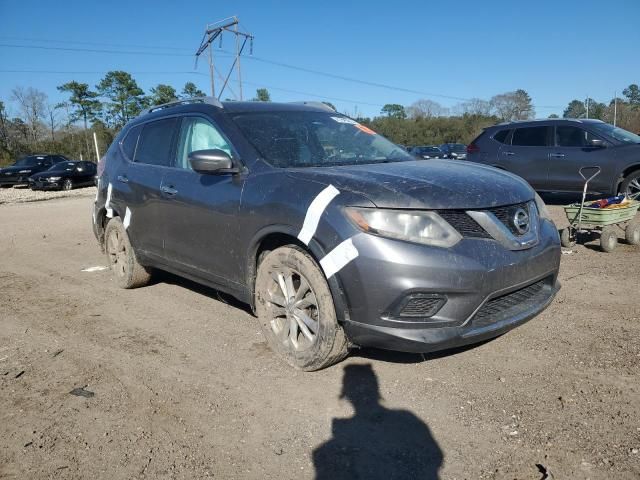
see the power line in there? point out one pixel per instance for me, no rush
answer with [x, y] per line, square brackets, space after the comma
[99, 44]
[266, 61]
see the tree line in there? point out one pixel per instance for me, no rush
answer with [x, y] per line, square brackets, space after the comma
[30, 123]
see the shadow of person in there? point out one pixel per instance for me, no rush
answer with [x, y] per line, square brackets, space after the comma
[376, 443]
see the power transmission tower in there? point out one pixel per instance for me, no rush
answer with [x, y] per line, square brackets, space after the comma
[215, 31]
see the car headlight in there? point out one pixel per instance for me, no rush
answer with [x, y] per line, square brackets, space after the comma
[410, 225]
[543, 211]
[24, 171]
[54, 179]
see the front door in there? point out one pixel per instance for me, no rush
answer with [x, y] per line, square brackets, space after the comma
[201, 211]
[572, 151]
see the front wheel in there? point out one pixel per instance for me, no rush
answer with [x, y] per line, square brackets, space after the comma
[296, 312]
[565, 238]
[631, 184]
[67, 184]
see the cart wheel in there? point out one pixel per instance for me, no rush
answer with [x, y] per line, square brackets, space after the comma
[608, 239]
[632, 233]
[565, 238]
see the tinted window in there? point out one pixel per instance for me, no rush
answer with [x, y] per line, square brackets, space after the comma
[198, 134]
[530, 137]
[501, 136]
[31, 161]
[572, 137]
[130, 141]
[154, 145]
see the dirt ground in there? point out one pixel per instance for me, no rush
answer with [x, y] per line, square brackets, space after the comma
[175, 381]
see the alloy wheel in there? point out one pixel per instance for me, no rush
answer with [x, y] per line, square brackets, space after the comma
[293, 309]
[117, 251]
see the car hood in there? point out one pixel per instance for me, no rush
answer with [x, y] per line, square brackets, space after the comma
[436, 184]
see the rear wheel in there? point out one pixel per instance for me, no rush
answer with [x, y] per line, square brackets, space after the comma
[632, 233]
[67, 184]
[121, 257]
[631, 184]
[608, 239]
[296, 312]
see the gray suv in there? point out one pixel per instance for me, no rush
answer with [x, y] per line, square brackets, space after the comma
[334, 235]
[549, 153]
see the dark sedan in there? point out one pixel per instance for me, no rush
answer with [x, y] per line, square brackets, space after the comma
[64, 176]
[19, 172]
[456, 151]
[427, 152]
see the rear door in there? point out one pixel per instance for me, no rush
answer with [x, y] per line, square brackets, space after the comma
[201, 211]
[136, 188]
[573, 151]
[526, 154]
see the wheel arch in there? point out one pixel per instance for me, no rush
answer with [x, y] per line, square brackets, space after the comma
[625, 173]
[276, 236]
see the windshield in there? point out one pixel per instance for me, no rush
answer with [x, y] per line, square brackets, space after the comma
[311, 139]
[62, 166]
[457, 147]
[29, 161]
[618, 133]
[428, 149]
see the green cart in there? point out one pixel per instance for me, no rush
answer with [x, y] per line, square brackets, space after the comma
[603, 221]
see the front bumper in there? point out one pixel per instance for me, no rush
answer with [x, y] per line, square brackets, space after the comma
[40, 185]
[487, 290]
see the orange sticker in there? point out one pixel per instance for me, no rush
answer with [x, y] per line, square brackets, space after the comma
[365, 129]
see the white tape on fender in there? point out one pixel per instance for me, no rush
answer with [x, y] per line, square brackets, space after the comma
[337, 258]
[127, 219]
[314, 212]
[107, 203]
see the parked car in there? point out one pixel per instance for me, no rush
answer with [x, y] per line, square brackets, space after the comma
[549, 154]
[19, 172]
[427, 152]
[334, 235]
[64, 176]
[456, 151]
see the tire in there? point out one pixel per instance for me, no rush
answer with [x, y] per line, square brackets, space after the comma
[121, 257]
[632, 233]
[608, 239]
[67, 184]
[565, 238]
[301, 326]
[631, 184]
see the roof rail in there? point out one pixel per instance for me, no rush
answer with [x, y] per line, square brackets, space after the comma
[208, 100]
[321, 105]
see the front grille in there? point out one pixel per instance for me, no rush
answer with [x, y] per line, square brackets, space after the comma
[507, 214]
[512, 303]
[422, 306]
[464, 224]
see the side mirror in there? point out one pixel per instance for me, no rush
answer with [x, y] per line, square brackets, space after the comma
[596, 142]
[211, 162]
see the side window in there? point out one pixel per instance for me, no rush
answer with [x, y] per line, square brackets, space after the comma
[567, 136]
[501, 136]
[154, 145]
[130, 141]
[198, 134]
[530, 137]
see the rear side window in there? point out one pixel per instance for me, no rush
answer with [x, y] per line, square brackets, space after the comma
[530, 137]
[130, 141]
[501, 136]
[154, 145]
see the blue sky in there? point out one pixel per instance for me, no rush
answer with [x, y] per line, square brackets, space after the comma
[556, 50]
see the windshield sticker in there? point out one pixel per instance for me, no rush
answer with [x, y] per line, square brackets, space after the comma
[364, 129]
[345, 120]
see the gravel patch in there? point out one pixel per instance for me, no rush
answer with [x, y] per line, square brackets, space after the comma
[24, 194]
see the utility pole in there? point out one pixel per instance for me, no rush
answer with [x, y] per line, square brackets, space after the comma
[615, 108]
[214, 31]
[587, 106]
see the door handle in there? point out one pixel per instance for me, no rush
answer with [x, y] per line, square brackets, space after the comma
[123, 179]
[168, 190]
[508, 153]
[556, 155]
